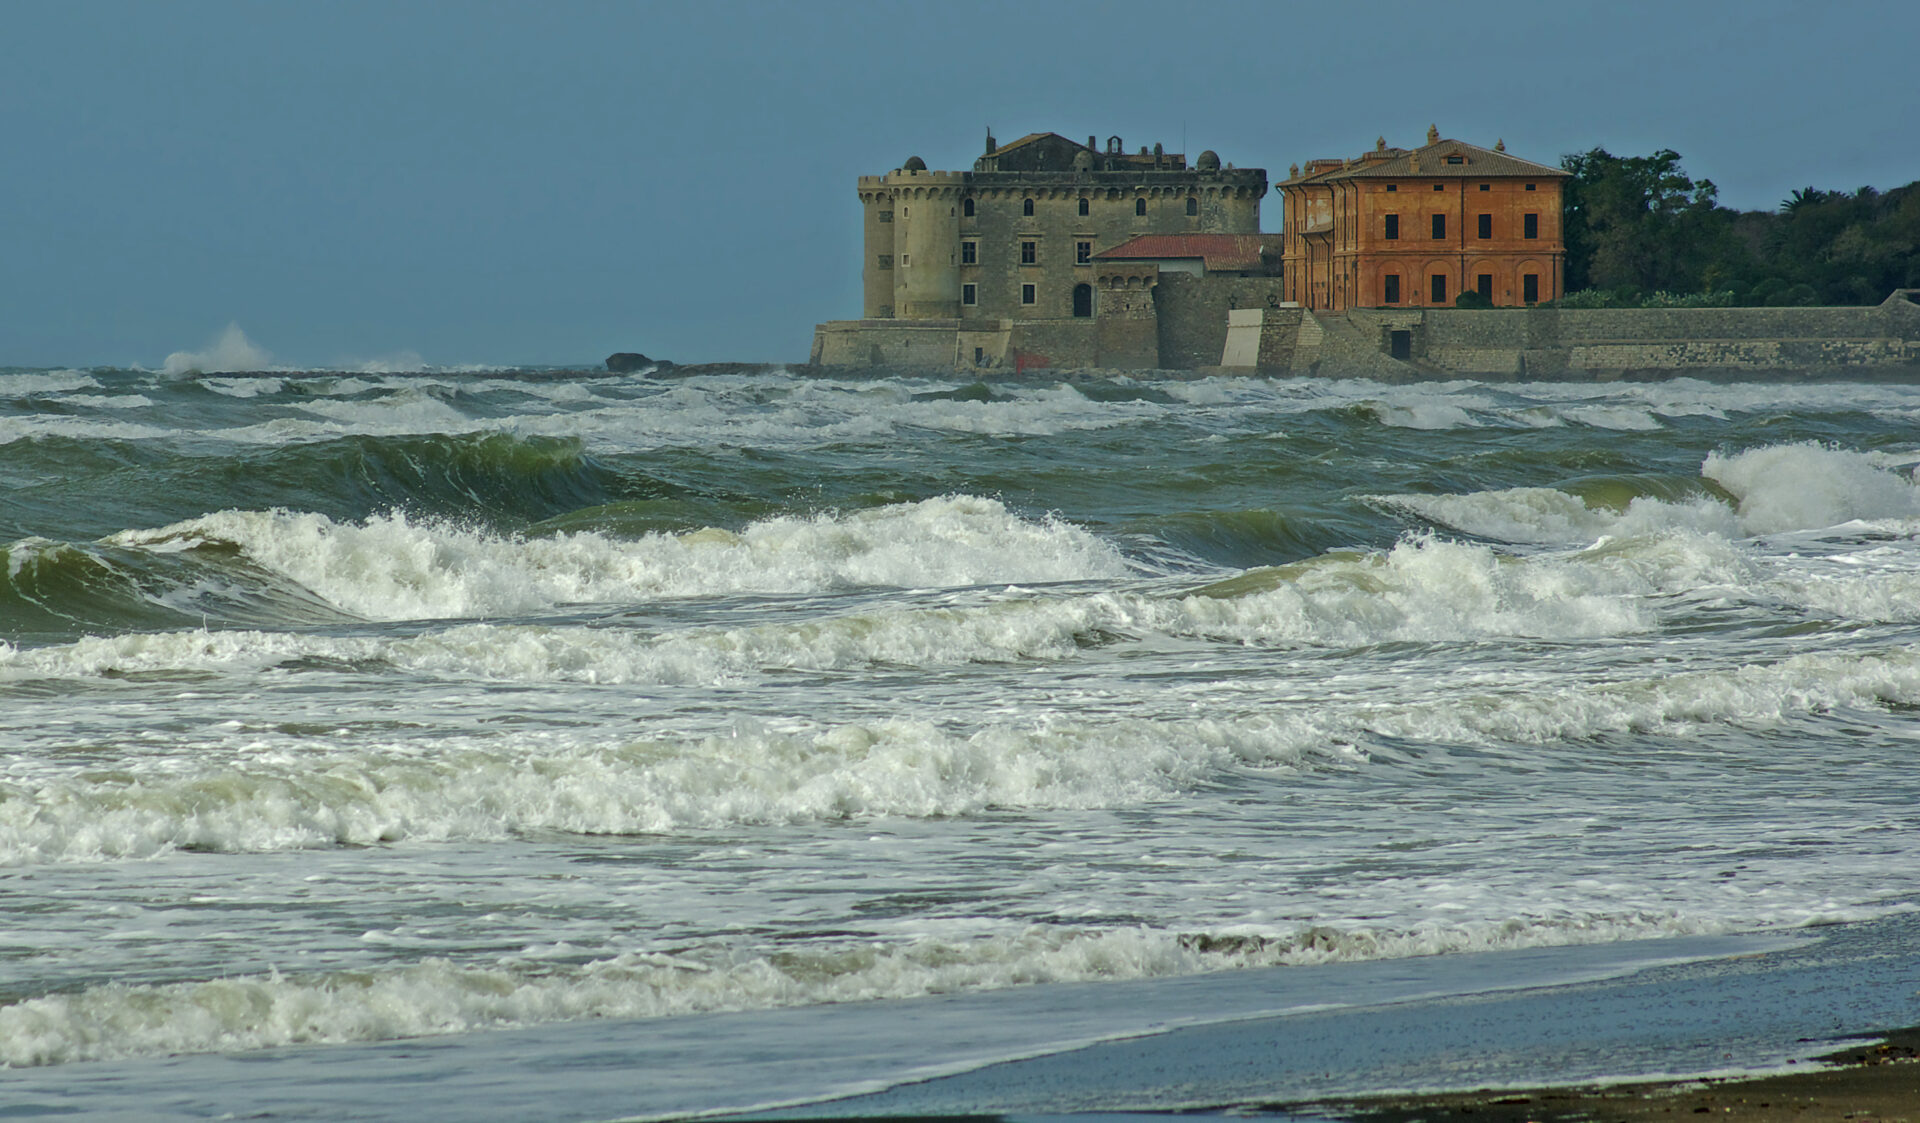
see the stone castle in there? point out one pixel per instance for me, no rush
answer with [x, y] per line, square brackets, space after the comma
[1052, 254]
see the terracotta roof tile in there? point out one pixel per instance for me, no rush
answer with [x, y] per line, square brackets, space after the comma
[1477, 163]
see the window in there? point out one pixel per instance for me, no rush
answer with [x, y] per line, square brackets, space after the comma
[1486, 226]
[1084, 206]
[1439, 226]
[1530, 288]
[1456, 159]
[1532, 227]
[969, 253]
[884, 261]
[1193, 207]
[1083, 253]
[1027, 294]
[1083, 301]
[885, 216]
[1484, 283]
[1026, 208]
[979, 356]
[969, 294]
[1029, 252]
[966, 207]
[1139, 206]
[1393, 227]
[1529, 186]
[1486, 187]
[1439, 187]
[1393, 187]
[1438, 284]
[1393, 288]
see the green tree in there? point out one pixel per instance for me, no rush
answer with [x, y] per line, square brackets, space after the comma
[1639, 222]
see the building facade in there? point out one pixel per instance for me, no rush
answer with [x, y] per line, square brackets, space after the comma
[1410, 229]
[1015, 238]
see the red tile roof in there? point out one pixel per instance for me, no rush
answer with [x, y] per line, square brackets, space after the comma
[1218, 252]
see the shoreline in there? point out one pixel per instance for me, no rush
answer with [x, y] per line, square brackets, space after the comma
[1879, 1080]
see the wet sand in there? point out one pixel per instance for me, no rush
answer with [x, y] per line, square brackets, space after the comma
[1880, 1081]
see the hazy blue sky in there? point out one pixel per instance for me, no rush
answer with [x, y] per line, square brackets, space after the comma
[548, 182]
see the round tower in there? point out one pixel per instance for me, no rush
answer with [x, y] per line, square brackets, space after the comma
[876, 268]
[926, 239]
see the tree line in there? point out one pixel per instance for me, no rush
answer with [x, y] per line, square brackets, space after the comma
[1639, 231]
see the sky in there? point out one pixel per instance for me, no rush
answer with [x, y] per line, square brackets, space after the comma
[346, 184]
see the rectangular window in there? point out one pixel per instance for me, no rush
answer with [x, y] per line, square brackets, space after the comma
[1439, 226]
[1530, 288]
[1486, 187]
[1456, 159]
[1439, 187]
[1083, 206]
[1029, 252]
[1484, 282]
[1393, 227]
[969, 253]
[1438, 283]
[1027, 294]
[906, 259]
[1529, 186]
[886, 216]
[969, 294]
[884, 261]
[1533, 226]
[1393, 187]
[1083, 253]
[1486, 226]
[1393, 288]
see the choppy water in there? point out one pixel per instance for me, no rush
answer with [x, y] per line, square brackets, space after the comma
[345, 708]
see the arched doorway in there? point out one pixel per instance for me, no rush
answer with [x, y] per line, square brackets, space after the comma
[1083, 300]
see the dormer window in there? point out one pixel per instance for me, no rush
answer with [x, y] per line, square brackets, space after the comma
[1456, 159]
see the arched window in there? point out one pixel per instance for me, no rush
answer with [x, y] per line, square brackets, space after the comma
[1027, 209]
[1083, 300]
[1193, 206]
[1139, 206]
[1083, 206]
[966, 207]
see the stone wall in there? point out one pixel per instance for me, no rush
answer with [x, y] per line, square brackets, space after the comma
[1193, 314]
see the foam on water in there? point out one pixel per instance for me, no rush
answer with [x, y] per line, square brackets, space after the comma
[1807, 486]
[1777, 488]
[393, 568]
[438, 996]
[261, 791]
[255, 789]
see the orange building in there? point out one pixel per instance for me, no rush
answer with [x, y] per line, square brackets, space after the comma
[1399, 228]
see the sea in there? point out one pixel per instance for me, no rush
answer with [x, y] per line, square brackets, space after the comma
[464, 713]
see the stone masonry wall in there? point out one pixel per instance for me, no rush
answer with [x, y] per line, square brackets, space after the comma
[1193, 314]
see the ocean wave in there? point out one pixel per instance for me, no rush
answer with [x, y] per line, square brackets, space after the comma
[266, 793]
[262, 790]
[392, 567]
[1767, 490]
[439, 996]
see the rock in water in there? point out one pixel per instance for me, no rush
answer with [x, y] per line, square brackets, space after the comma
[625, 362]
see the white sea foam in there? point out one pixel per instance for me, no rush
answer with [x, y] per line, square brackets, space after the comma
[232, 351]
[263, 793]
[392, 568]
[1807, 486]
[258, 790]
[1777, 488]
[438, 996]
[46, 382]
